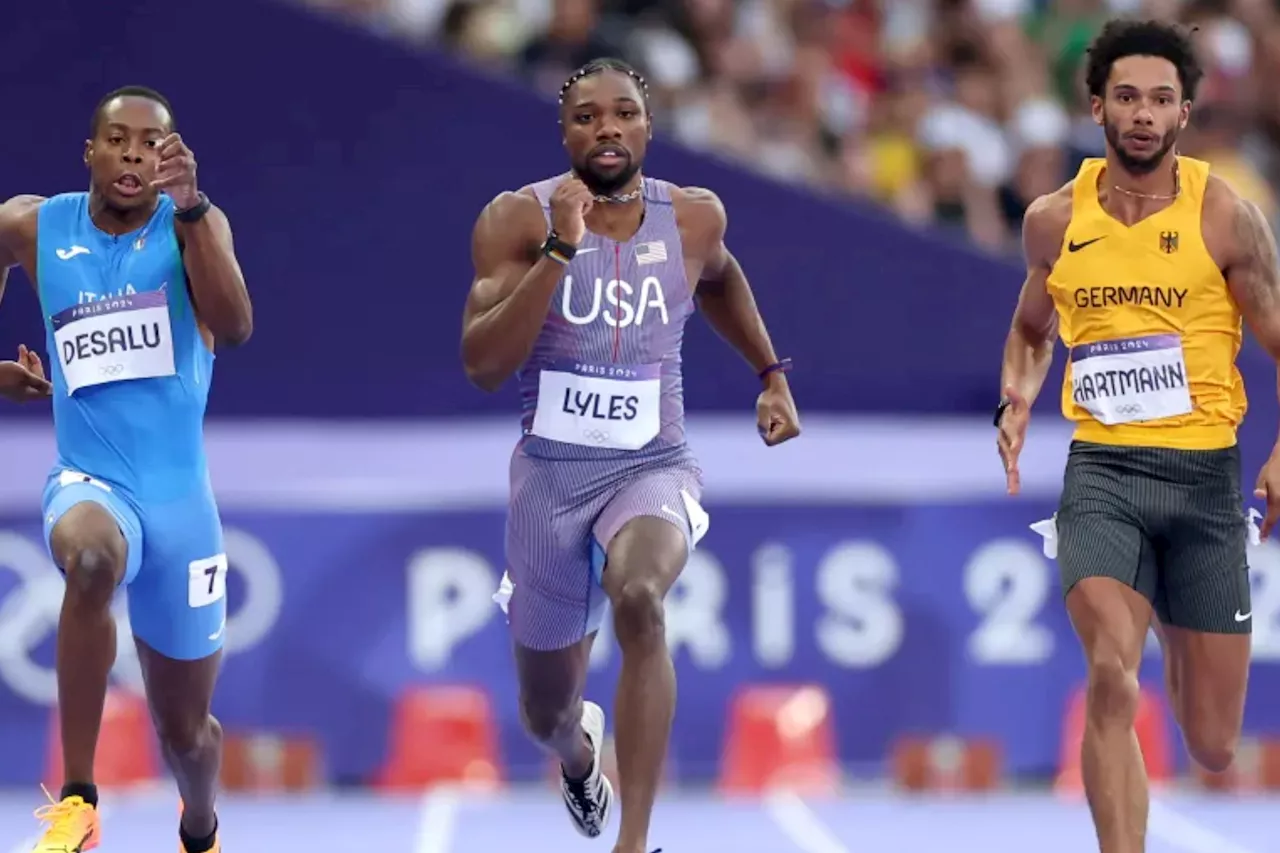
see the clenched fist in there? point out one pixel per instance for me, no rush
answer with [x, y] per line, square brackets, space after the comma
[569, 205]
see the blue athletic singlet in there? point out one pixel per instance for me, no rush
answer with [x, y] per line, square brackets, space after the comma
[131, 376]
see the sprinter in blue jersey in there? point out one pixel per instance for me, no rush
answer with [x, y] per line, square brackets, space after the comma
[137, 280]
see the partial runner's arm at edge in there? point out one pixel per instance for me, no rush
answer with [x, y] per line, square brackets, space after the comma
[1028, 351]
[18, 217]
[723, 292]
[511, 292]
[1251, 270]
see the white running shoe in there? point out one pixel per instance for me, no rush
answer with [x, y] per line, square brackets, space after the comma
[590, 801]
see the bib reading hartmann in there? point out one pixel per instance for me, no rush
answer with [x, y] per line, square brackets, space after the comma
[111, 340]
[1131, 379]
[599, 405]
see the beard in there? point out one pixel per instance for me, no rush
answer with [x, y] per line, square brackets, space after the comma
[606, 184]
[1138, 165]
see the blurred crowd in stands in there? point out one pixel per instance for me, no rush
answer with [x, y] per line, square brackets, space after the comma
[951, 113]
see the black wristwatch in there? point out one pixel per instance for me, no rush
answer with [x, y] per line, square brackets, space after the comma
[1004, 404]
[194, 214]
[558, 250]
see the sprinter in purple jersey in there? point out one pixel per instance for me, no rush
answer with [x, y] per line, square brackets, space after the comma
[583, 284]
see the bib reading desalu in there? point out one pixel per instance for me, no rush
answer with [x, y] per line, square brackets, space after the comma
[111, 340]
[614, 406]
[1131, 379]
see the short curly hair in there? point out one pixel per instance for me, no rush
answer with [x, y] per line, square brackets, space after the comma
[1122, 38]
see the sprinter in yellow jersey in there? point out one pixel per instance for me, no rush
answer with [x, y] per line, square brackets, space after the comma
[1145, 265]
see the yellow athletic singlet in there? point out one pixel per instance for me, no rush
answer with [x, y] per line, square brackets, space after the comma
[1151, 329]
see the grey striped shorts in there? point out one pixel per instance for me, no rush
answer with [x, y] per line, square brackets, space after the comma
[1168, 523]
[563, 515]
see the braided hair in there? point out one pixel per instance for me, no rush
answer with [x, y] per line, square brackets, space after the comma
[596, 66]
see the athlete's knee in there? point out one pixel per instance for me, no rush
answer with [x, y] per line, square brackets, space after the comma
[638, 614]
[184, 734]
[1212, 746]
[547, 722]
[1211, 733]
[94, 569]
[1113, 690]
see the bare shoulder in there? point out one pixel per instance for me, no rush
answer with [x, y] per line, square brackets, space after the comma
[1045, 224]
[702, 220]
[1234, 229]
[509, 227]
[20, 212]
[19, 224]
[510, 216]
[1219, 198]
[698, 206]
[1222, 206]
[511, 207]
[1230, 224]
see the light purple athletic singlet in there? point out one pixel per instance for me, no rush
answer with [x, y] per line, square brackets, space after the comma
[603, 422]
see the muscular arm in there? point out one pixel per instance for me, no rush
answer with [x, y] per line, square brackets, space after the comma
[511, 292]
[1251, 273]
[723, 293]
[18, 218]
[217, 284]
[1028, 350]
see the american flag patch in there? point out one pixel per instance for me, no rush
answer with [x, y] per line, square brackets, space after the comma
[651, 253]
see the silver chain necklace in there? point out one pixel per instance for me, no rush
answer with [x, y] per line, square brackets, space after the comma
[621, 199]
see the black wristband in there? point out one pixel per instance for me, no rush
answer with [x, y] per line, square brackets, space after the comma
[1004, 404]
[558, 250]
[194, 214]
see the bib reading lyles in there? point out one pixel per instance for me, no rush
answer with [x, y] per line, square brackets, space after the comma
[1131, 379]
[612, 406]
[111, 340]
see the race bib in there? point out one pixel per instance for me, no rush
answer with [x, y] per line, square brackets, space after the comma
[599, 405]
[111, 340]
[1131, 379]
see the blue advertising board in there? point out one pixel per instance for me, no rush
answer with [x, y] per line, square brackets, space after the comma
[880, 559]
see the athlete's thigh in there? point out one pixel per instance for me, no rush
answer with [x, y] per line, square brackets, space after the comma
[1204, 568]
[551, 599]
[1207, 617]
[178, 603]
[1208, 675]
[650, 525]
[67, 490]
[1101, 533]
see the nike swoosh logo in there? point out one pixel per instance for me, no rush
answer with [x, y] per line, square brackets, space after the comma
[68, 254]
[218, 633]
[1244, 617]
[1073, 246]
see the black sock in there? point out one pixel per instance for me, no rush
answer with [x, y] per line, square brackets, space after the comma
[83, 790]
[198, 845]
